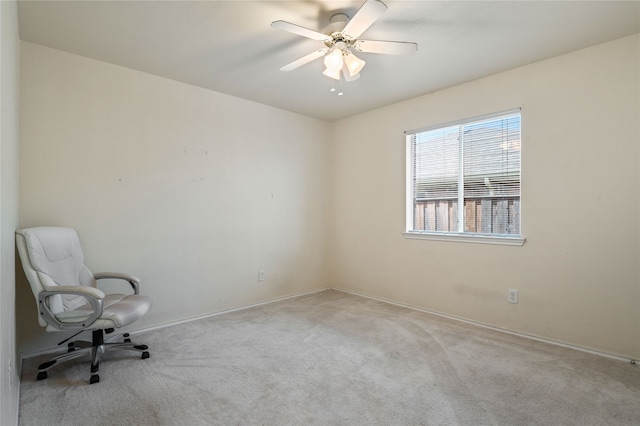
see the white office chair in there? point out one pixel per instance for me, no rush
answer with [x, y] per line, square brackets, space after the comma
[68, 298]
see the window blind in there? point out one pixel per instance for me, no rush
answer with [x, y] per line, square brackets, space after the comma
[465, 178]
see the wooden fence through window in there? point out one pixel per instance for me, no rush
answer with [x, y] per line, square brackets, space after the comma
[481, 215]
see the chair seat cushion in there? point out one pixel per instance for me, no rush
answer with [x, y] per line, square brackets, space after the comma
[119, 309]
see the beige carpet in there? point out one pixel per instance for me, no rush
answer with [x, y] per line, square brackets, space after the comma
[332, 358]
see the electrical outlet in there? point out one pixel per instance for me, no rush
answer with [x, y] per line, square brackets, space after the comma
[262, 275]
[513, 296]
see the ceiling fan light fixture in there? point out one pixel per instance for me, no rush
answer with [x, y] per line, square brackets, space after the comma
[332, 73]
[334, 60]
[353, 64]
[347, 76]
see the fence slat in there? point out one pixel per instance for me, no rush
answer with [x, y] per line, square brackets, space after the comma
[430, 216]
[514, 214]
[485, 216]
[453, 216]
[418, 217]
[500, 216]
[442, 222]
[470, 216]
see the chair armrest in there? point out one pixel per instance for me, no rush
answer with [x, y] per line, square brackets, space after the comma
[134, 281]
[94, 297]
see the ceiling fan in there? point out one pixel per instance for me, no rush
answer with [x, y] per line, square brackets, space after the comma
[341, 39]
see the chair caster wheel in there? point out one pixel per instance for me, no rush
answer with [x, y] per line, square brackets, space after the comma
[94, 379]
[145, 355]
[42, 375]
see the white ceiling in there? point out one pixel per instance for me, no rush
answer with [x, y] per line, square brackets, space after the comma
[229, 46]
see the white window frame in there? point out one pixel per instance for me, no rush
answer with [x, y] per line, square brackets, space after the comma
[466, 237]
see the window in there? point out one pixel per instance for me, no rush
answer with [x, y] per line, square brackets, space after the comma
[463, 181]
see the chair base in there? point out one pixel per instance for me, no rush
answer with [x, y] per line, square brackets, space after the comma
[95, 349]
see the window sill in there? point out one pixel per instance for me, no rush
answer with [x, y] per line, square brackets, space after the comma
[467, 238]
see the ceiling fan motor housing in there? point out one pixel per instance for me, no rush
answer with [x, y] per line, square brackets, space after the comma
[334, 30]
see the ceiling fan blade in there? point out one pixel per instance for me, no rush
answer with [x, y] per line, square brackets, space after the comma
[302, 31]
[304, 60]
[387, 47]
[368, 13]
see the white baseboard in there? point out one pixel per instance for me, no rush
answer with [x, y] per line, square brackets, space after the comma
[226, 311]
[491, 327]
[368, 296]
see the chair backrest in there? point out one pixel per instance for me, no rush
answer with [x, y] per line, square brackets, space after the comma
[52, 256]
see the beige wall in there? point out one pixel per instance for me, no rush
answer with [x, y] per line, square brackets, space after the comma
[192, 190]
[9, 78]
[577, 274]
[195, 191]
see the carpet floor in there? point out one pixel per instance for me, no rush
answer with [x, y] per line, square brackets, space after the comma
[332, 358]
